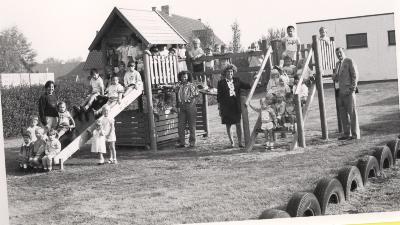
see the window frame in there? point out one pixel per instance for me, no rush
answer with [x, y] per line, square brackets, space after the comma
[393, 43]
[353, 47]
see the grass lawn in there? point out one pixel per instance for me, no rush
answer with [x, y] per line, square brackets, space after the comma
[209, 183]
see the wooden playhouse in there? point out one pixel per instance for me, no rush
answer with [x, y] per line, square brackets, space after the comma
[137, 125]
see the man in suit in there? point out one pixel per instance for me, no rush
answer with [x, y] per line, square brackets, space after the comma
[346, 78]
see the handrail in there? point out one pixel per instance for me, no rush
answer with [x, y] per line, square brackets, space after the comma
[310, 54]
[258, 76]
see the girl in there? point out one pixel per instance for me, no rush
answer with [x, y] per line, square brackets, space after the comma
[115, 91]
[109, 133]
[48, 106]
[25, 151]
[52, 148]
[33, 126]
[99, 141]
[268, 119]
[65, 122]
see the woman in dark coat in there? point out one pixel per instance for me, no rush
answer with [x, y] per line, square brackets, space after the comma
[48, 106]
[228, 97]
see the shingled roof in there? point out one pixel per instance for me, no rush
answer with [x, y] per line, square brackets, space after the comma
[187, 27]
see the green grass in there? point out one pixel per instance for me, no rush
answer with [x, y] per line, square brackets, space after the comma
[208, 183]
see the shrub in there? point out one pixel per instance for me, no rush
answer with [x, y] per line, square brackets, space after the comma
[18, 103]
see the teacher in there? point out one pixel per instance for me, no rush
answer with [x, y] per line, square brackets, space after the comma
[228, 97]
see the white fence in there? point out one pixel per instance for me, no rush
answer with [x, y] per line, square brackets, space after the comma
[28, 79]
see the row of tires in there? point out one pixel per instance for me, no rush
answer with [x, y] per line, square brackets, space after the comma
[338, 189]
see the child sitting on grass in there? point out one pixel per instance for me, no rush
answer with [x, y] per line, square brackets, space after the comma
[268, 119]
[52, 148]
[25, 151]
[65, 122]
[35, 160]
[109, 133]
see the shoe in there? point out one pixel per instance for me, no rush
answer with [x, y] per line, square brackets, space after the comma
[115, 161]
[110, 161]
[241, 146]
[100, 163]
[343, 138]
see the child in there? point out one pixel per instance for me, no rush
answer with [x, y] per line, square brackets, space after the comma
[290, 114]
[25, 151]
[289, 69]
[33, 126]
[65, 122]
[114, 91]
[109, 133]
[254, 60]
[279, 108]
[52, 148]
[281, 88]
[99, 141]
[132, 79]
[268, 119]
[97, 88]
[273, 81]
[290, 44]
[303, 92]
[323, 34]
[35, 160]
[181, 52]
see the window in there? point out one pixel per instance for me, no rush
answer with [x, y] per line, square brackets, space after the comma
[391, 37]
[357, 40]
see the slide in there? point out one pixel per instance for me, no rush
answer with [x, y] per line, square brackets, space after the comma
[81, 127]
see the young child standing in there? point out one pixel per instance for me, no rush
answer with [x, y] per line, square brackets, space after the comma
[99, 141]
[303, 92]
[25, 151]
[290, 44]
[268, 119]
[52, 148]
[280, 108]
[109, 133]
[65, 122]
[281, 88]
[289, 69]
[33, 126]
[290, 114]
[35, 160]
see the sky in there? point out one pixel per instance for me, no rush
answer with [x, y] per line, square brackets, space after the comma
[64, 29]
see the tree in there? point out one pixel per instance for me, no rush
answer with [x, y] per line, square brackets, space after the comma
[16, 52]
[236, 46]
[273, 34]
[52, 60]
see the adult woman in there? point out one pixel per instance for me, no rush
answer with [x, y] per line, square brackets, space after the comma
[228, 97]
[187, 93]
[48, 106]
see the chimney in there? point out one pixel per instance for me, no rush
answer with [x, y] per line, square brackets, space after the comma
[165, 9]
[153, 8]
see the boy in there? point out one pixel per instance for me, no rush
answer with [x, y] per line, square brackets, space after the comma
[115, 91]
[291, 44]
[323, 34]
[289, 69]
[38, 149]
[25, 151]
[303, 92]
[97, 88]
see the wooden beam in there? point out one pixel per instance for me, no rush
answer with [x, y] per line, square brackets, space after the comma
[149, 101]
[253, 136]
[205, 115]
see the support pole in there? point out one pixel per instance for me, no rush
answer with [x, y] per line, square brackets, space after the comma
[245, 118]
[205, 115]
[149, 99]
[320, 87]
[300, 122]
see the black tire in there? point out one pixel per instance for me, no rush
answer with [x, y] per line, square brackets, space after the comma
[384, 157]
[329, 190]
[394, 148]
[351, 180]
[273, 213]
[369, 167]
[303, 204]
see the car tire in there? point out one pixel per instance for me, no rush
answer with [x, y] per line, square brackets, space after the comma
[394, 148]
[273, 214]
[384, 157]
[303, 204]
[329, 190]
[369, 167]
[350, 178]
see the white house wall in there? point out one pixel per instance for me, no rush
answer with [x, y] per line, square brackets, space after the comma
[378, 60]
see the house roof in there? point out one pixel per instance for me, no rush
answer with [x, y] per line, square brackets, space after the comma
[345, 18]
[148, 26]
[94, 60]
[187, 27]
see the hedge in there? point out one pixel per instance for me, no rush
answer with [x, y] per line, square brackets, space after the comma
[18, 103]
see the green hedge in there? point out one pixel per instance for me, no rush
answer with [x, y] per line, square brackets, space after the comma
[18, 103]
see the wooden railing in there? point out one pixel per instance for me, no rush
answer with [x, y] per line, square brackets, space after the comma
[163, 69]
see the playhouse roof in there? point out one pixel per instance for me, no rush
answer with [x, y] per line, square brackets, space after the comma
[149, 27]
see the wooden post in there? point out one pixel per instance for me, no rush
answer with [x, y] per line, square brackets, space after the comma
[245, 118]
[300, 122]
[339, 120]
[149, 99]
[320, 87]
[4, 219]
[61, 164]
[205, 115]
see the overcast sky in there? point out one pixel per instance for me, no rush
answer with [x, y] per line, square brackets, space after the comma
[65, 28]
